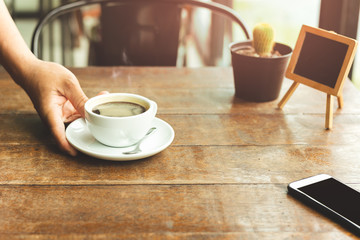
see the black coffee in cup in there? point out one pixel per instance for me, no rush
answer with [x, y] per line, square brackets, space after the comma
[118, 109]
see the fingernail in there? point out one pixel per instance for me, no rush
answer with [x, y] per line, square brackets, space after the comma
[72, 152]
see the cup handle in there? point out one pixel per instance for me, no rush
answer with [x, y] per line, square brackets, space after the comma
[154, 106]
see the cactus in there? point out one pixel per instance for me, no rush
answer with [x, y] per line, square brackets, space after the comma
[263, 41]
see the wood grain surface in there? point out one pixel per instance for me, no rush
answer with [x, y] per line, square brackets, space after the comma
[223, 177]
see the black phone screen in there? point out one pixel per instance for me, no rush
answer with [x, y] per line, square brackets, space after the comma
[336, 196]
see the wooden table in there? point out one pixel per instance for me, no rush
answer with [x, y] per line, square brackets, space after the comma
[224, 176]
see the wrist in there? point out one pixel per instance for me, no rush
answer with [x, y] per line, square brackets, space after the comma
[22, 67]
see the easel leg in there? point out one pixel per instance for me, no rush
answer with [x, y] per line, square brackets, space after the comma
[340, 101]
[288, 95]
[329, 112]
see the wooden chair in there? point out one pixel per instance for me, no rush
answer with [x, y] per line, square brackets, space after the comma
[130, 32]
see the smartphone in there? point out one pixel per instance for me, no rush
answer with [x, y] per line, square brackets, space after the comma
[331, 197]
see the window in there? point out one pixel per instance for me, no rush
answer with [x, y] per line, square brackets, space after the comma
[285, 16]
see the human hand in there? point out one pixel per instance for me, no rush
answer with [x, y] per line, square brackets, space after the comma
[54, 90]
[57, 97]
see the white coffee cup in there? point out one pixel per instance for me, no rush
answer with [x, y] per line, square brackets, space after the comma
[119, 131]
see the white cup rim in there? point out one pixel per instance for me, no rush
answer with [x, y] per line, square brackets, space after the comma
[88, 105]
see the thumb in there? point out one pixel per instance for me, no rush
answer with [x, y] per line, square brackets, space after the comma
[77, 98]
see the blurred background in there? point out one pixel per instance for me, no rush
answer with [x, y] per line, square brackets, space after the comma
[286, 16]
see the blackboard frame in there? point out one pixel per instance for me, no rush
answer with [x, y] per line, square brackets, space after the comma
[335, 90]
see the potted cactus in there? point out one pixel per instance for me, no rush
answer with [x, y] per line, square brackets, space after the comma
[259, 65]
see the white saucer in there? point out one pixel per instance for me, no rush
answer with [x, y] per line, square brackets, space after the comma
[80, 138]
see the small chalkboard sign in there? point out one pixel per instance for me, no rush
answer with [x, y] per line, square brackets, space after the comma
[321, 60]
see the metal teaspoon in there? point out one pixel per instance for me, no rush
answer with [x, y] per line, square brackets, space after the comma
[137, 147]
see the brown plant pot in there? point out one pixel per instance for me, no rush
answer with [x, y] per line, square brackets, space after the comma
[258, 79]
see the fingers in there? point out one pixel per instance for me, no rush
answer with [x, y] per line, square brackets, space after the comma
[74, 93]
[57, 129]
[78, 99]
[102, 93]
[64, 144]
[71, 118]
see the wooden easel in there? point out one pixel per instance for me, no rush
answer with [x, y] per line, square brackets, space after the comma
[317, 52]
[329, 104]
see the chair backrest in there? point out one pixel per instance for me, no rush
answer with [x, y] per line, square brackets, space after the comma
[134, 32]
